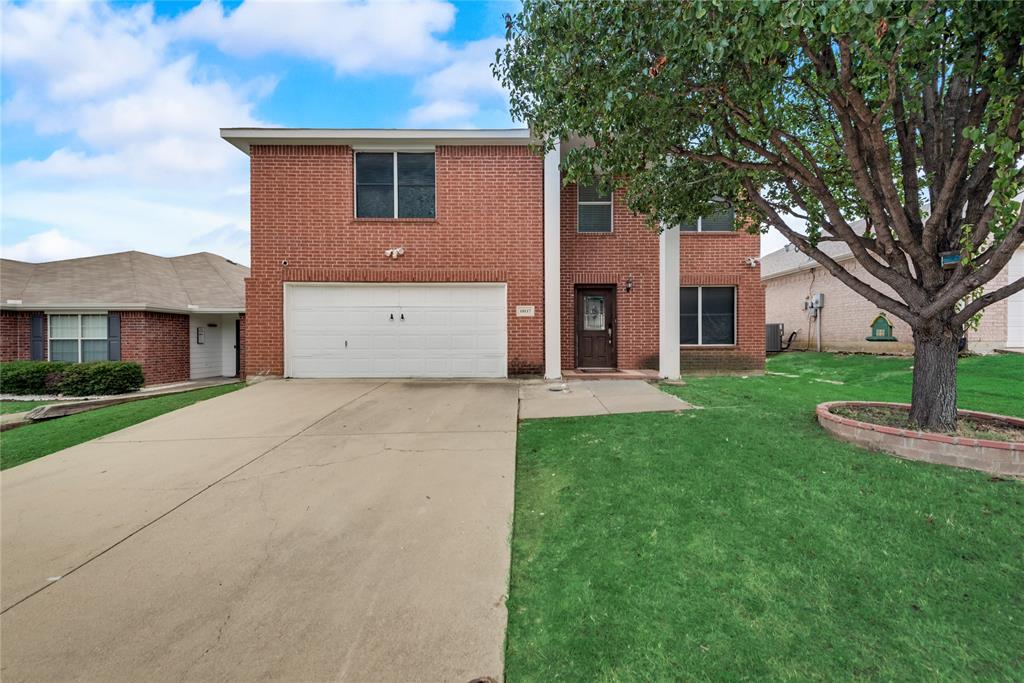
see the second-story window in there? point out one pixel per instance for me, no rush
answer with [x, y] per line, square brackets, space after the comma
[721, 221]
[593, 209]
[395, 185]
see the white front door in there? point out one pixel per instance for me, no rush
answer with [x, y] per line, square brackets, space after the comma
[1015, 304]
[407, 330]
[205, 347]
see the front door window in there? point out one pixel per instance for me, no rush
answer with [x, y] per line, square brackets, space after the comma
[593, 313]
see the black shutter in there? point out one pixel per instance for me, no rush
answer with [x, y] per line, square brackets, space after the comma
[114, 336]
[36, 351]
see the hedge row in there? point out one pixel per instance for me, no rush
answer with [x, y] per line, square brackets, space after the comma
[101, 378]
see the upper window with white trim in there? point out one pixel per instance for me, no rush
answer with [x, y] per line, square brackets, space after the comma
[593, 209]
[78, 338]
[707, 315]
[722, 221]
[378, 174]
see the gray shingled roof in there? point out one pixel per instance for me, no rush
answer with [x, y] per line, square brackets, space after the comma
[130, 280]
[790, 260]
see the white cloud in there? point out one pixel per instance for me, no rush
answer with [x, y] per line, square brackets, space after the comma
[141, 164]
[353, 36]
[47, 246]
[158, 221]
[138, 162]
[452, 112]
[80, 50]
[458, 91]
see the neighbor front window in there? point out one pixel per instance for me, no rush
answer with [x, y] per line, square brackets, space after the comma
[593, 209]
[78, 338]
[717, 222]
[378, 174]
[707, 315]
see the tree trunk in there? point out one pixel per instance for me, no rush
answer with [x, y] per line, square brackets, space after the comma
[933, 400]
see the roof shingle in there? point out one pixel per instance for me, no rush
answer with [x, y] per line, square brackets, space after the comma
[128, 280]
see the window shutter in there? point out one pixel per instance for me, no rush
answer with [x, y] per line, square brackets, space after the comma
[36, 343]
[114, 336]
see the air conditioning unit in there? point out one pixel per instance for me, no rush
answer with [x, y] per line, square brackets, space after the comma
[773, 337]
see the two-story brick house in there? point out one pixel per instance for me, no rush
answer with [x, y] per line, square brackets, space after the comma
[460, 253]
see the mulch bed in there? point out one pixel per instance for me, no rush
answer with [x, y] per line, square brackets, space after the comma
[968, 427]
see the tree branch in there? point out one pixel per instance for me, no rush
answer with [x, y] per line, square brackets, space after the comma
[895, 307]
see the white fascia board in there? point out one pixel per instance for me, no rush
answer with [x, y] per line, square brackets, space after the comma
[86, 308]
[381, 138]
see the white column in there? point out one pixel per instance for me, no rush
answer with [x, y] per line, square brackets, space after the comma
[552, 265]
[668, 303]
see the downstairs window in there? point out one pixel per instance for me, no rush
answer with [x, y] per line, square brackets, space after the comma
[78, 338]
[707, 315]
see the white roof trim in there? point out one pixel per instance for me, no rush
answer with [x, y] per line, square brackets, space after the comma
[244, 138]
[83, 308]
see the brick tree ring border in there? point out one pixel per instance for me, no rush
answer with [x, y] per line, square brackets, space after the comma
[994, 457]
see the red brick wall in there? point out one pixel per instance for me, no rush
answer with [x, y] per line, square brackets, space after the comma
[16, 335]
[709, 258]
[489, 228]
[609, 259]
[632, 249]
[158, 342]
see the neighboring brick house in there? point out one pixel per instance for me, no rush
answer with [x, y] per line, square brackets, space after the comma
[179, 318]
[791, 278]
[416, 253]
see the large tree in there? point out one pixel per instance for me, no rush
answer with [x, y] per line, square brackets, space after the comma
[906, 114]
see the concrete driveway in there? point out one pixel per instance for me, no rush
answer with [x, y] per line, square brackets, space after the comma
[300, 530]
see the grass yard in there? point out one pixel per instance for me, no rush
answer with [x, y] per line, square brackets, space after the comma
[32, 441]
[740, 542]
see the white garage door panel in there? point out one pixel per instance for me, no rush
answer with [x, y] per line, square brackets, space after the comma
[396, 331]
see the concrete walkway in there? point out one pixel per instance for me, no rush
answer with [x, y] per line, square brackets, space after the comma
[594, 397]
[297, 530]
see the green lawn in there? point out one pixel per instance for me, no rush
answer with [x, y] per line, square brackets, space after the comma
[36, 440]
[7, 407]
[740, 542]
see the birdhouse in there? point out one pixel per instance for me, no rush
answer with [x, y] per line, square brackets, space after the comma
[881, 330]
[949, 259]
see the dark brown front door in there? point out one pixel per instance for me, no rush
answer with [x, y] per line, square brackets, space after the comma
[595, 327]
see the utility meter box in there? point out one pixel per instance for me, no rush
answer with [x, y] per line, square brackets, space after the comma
[818, 300]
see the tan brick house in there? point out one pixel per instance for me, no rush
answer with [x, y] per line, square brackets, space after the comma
[791, 278]
[180, 318]
[460, 253]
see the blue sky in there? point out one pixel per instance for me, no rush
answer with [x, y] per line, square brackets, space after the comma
[111, 111]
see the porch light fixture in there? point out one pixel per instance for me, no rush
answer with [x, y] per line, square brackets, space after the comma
[629, 283]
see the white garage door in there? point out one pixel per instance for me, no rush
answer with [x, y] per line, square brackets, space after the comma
[1015, 304]
[395, 330]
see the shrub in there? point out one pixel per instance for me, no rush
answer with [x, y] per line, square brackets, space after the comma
[30, 377]
[101, 378]
[84, 379]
